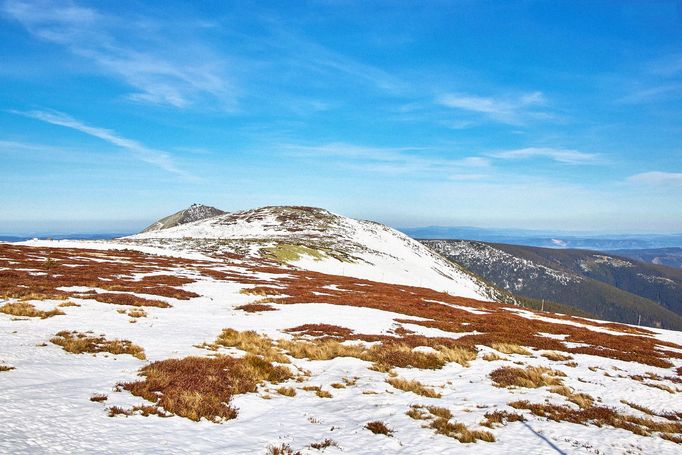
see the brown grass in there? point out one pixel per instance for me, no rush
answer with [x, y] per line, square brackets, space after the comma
[413, 386]
[324, 444]
[531, 377]
[68, 303]
[256, 307]
[250, 342]
[118, 298]
[99, 397]
[287, 391]
[196, 387]
[439, 420]
[510, 348]
[501, 418]
[137, 313]
[79, 343]
[379, 427]
[323, 394]
[25, 309]
[600, 416]
[583, 400]
[491, 357]
[556, 356]
[282, 449]
[6, 368]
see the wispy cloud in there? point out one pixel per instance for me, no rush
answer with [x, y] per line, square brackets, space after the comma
[152, 156]
[390, 160]
[129, 51]
[510, 110]
[657, 178]
[565, 156]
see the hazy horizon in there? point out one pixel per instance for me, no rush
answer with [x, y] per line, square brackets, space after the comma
[533, 115]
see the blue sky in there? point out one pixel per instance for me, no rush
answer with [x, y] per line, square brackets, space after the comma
[530, 114]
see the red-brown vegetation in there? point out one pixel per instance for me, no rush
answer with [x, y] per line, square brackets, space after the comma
[196, 387]
[79, 343]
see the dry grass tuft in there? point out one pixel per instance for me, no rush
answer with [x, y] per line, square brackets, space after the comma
[78, 343]
[531, 377]
[6, 368]
[501, 418]
[137, 313]
[379, 427]
[510, 348]
[324, 444]
[491, 357]
[413, 386]
[600, 416]
[256, 307]
[338, 385]
[250, 342]
[99, 397]
[323, 394]
[556, 356]
[118, 298]
[282, 449]
[439, 420]
[25, 309]
[196, 387]
[287, 391]
[68, 303]
[583, 400]
[324, 349]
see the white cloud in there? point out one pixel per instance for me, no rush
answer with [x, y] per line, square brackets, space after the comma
[565, 156]
[657, 178]
[152, 156]
[390, 160]
[510, 110]
[131, 52]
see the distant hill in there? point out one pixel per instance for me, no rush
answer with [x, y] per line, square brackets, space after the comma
[672, 257]
[548, 239]
[608, 286]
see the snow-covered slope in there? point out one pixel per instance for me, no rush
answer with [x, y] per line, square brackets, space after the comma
[316, 239]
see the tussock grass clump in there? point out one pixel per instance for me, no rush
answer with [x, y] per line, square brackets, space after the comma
[600, 416]
[79, 343]
[491, 357]
[531, 377]
[556, 356]
[250, 342]
[6, 368]
[282, 449]
[144, 410]
[25, 309]
[439, 421]
[196, 387]
[501, 418]
[68, 303]
[324, 349]
[510, 348]
[137, 313]
[323, 394]
[324, 444]
[287, 391]
[99, 397]
[256, 307]
[338, 385]
[583, 400]
[413, 386]
[379, 427]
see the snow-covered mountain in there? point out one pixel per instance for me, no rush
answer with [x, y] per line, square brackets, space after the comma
[316, 239]
[195, 212]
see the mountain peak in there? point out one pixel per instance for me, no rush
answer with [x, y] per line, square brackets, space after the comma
[194, 212]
